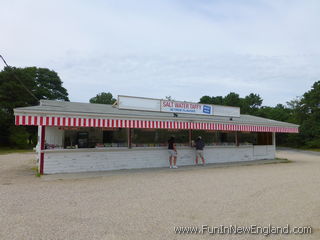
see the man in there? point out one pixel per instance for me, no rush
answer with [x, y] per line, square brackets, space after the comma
[172, 152]
[199, 150]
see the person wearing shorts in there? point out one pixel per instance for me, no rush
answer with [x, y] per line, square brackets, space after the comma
[199, 150]
[172, 152]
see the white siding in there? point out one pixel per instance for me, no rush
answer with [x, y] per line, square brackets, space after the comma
[100, 160]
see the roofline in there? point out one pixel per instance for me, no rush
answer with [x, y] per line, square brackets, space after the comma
[21, 111]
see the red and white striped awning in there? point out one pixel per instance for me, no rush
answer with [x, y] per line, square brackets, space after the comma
[161, 124]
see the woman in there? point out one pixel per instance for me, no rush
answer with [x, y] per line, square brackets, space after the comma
[172, 152]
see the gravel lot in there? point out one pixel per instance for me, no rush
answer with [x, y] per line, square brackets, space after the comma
[148, 204]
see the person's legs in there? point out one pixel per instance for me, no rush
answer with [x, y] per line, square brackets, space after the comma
[170, 161]
[202, 158]
[203, 161]
[174, 156]
[175, 161]
[197, 159]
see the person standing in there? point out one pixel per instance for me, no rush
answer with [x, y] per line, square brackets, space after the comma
[172, 152]
[199, 150]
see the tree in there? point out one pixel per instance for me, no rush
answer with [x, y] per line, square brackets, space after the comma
[103, 98]
[41, 82]
[206, 100]
[169, 98]
[251, 103]
[218, 100]
[232, 99]
[248, 105]
[308, 116]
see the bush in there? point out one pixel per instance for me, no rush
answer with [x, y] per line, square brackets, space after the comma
[19, 136]
[313, 143]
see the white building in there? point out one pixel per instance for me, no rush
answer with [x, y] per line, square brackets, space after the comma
[82, 137]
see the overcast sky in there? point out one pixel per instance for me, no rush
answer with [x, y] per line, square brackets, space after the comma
[182, 48]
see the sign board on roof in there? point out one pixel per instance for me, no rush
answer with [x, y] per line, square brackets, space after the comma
[137, 103]
[158, 105]
[226, 111]
[185, 107]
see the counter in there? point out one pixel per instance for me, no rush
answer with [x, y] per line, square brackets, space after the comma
[103, 159]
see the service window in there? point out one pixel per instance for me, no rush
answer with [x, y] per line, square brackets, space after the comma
[209, 137]
[264, 138]
[158, 137]
[115, 137]
[247, 138]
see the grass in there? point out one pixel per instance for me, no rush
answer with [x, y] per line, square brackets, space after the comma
[7, 150]
[283, 160]
[313, 149]
[309, 149]
[35, 169]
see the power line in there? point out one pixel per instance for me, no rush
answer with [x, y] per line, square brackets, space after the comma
[22, 84]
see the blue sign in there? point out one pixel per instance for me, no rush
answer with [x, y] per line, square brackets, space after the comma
[206, 109]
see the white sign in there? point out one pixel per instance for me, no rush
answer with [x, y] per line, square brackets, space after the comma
[185, 107]
[157, 105]
[226, 111]
[137, 103]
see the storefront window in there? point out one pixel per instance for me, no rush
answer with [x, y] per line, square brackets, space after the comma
[209, 137]
[247, 138]
[158, 137]
[264, 139]
[82, 137]
[254, 138]
[115, 137]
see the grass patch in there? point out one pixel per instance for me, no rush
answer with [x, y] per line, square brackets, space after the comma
[35, 169]
[309, 149]
[7, 150]
[283, 160]
[313, 149]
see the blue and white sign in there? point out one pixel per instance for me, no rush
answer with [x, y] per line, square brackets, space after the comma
[207, 109]
[184, 107]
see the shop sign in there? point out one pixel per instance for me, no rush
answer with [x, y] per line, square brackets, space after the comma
[185, 107]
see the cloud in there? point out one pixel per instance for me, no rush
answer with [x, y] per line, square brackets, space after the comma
[276, 79]
[181, 48]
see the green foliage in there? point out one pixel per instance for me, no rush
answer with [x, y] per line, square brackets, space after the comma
[103, 98]
[42, 82]
[7, 150]
[248, 105]
[19, 136]
[232, 99]
[304, 111]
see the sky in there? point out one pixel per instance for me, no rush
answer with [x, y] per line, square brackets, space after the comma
[180, 48]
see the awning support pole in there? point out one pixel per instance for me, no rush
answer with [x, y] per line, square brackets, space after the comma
[42, 147]
[129, 138]
[237, 139]
[190, 137]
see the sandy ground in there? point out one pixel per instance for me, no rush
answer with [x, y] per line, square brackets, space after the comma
[149, 204]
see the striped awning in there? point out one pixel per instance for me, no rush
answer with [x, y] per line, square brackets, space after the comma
[161, 124]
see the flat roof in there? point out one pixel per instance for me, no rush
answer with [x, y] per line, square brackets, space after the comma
[52, 107]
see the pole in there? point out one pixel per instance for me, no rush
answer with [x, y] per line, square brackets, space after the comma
[190, 137]
[129, 138]
[42, 147]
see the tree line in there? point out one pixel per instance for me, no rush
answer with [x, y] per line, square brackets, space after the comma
[46, 84]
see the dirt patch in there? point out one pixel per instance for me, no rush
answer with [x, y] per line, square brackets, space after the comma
[148, 205]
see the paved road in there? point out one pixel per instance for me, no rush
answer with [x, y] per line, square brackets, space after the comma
[148, 204]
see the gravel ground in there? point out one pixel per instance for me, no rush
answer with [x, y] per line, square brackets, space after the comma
[148, 204]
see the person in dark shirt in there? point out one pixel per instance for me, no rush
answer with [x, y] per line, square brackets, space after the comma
[172, 152]
[199, 150]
